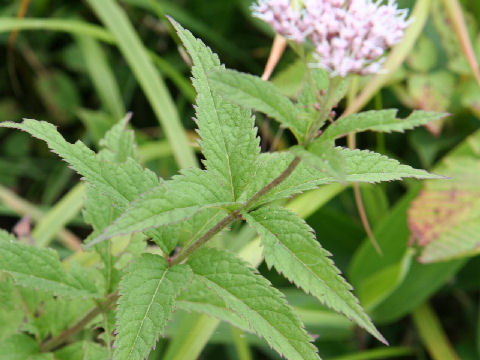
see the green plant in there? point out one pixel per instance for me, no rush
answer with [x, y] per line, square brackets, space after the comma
[127, 204]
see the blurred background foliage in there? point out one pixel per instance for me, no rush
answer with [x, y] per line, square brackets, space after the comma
[423, 292]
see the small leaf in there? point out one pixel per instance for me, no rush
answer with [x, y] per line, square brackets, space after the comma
[118, 143]
[147, 300]
[290, 246]
[228, 135]
[251, 296]
[382, 120]
[40, 269]
[254, 93]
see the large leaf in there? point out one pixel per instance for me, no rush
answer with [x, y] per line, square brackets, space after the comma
[290, 246]
[252, 297]
[254, 93]
[360, 166]
[378, 120]
[174, 201]
[228, 136]
[147, 300]
[40, 268]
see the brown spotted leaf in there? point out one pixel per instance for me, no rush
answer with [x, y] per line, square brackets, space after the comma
[445, 218]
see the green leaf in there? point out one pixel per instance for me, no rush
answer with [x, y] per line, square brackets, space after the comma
[81, 351]
[290, 246]
[40, 268]
[228, 135]
[252, 297]
[5, 236]
[378, 120]
[368, 166]
[11, 314]
[254, 93]
[174, 201]
[121, 182]
[119, 143]
[325, 158]
[186, 232]
[360, 166]
[147, 300]
[198, 298]
[18, 347]
[52, 315]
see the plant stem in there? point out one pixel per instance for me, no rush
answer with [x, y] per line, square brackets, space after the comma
[68, 333]
[181, 256]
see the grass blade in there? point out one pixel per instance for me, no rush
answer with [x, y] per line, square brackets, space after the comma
[102, 76]
[432, 334]
[112, 15]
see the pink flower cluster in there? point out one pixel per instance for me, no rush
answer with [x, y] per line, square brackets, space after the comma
[349, 36]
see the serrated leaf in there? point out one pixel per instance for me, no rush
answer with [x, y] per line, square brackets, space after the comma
[147, 300]
[323, 157]
[118, 143]
[368, 166]
[378, 120]
[174, 201]
[445, 218]
[186, 232]
[40, 269]
[228, 135]
[252, 297]
[121, 182]
[360, 166]
[290, 246]
[198, 298]
[252, 92]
